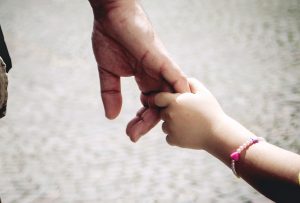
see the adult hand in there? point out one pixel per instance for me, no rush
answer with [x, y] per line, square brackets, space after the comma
[125, 44]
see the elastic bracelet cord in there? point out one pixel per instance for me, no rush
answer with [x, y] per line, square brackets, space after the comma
[235, 156]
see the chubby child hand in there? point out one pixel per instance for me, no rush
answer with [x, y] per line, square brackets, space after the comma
[190, 118]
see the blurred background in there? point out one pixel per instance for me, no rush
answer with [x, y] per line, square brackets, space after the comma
[57, 146]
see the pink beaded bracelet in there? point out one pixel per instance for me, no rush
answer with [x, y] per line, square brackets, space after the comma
[235, 156]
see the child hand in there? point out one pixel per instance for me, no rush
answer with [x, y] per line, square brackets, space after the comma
[190, 118]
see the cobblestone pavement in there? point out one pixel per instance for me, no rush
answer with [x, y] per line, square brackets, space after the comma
[56, 145]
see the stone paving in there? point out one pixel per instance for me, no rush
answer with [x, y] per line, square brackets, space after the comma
[57, 146]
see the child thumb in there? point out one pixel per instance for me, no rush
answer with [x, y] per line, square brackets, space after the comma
[164, 99]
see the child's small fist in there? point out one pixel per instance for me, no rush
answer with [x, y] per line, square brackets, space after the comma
[189, 118]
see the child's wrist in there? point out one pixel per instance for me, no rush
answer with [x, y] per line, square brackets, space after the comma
[207, 135]
[219, 126]
[226, 136]
[222, 124]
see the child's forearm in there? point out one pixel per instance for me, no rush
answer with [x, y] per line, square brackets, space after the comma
[271, 170]
[199, 117]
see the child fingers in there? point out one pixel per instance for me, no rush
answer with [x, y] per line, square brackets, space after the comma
[165, 128]
[163, 99]
[170, 140]
[166, 115]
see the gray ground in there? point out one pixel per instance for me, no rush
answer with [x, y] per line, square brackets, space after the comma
[56, 145]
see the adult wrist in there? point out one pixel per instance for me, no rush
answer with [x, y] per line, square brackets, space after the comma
[3, 88]
[98, 3]
[103, 8]
[109, 4]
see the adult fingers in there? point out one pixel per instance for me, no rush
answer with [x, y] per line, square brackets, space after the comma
[164, 99]
[175, 77]
[157, 60]
[145, 120]
[196, 86]
[110, 93]
[168, 68]
[148, 100]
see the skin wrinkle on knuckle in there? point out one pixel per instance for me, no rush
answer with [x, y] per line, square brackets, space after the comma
[110, 91]
[143, 58]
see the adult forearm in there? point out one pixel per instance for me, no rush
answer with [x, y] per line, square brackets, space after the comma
[3, 88]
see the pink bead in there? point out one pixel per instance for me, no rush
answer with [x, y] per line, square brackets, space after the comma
[235, 156]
